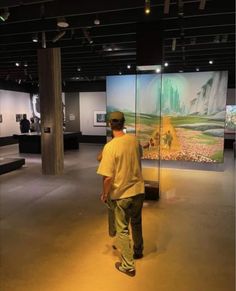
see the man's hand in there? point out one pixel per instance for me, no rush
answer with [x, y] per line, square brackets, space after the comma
[103, 197]
[106, 188]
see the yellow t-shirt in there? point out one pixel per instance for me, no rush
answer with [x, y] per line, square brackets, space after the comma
[121, 161]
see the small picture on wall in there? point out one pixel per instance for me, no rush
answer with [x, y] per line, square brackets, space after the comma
[99, 118]
[0, 118]
[19, 117]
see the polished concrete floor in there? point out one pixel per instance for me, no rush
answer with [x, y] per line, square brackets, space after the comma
[54, 230]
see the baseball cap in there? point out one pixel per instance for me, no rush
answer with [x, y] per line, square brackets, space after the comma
[116, 115]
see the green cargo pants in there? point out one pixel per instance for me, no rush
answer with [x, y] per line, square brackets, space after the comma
[129, 210]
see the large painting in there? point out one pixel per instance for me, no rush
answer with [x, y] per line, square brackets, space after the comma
[176, 116]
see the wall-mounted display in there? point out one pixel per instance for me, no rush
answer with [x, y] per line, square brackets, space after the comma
[230, 119]
[99, 118]
[192, 109]
[19, 117]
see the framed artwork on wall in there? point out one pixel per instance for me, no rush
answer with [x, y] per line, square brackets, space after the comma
[19, 117]
[99, 118]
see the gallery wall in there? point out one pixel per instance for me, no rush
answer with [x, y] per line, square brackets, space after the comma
[80, 109]
[89, 103]
[12, 103]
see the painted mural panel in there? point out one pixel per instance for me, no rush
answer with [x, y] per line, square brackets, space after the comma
[230, 120]
[193, 114]
[148, 106]
[192, 107]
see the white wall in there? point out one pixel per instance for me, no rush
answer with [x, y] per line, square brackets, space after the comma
[12, 103]
[90, 102]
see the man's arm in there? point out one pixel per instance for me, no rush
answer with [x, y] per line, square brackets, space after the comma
[106, 188]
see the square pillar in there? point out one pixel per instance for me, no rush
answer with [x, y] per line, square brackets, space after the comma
[52, 148]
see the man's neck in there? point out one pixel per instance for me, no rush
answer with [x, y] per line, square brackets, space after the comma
[118, 133]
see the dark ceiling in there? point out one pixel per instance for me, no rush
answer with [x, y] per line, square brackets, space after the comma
[89, 51]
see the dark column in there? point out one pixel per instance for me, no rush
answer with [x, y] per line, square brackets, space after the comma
[49, 65]
[149, 43]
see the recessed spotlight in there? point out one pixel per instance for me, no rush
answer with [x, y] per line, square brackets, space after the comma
[211, 62]
[17, 64]
[181, 71]
[78, 69]
[25, 64]
[128, 66]
[166, 64]
[197, 69]
[158, 70]
[147, 7]
[120, 73]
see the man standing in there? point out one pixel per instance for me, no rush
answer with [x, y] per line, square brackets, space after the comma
[123, 184]
[24, 124]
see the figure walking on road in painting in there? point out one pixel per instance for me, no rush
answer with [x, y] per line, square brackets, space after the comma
[167, 139]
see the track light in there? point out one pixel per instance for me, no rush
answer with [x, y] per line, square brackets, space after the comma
[202, 4]
[58, 36]
[17, 64]
[147, 7]
[224, 38]
[96, 20]
[158, 70]
[35, 38]
[166, 64]
[43, 39]
[87, 36]
[128, 66]
[211, 62]
[61, 22]
[4, 15]
[217, 38]
[173, 46]
[197, 69]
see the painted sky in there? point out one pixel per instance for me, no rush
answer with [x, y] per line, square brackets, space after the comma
[121, 92]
